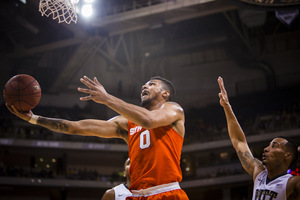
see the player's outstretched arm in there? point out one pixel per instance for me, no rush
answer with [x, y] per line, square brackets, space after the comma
[252, 165]
[114, 128]
[169, 113]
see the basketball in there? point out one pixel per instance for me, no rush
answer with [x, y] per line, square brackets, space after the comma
[22, 91]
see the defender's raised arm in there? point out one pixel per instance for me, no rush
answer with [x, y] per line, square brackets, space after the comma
[252, 165]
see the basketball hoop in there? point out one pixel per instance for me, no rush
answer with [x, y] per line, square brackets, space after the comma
[63, 10]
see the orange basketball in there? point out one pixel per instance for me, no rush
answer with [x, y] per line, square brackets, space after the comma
[22, 91]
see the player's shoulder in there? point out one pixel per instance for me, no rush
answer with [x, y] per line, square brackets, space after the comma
[174, 105]
[171, 103]
[109, 195]
[121, 126]
[259, 170]
[117, 118]
[294, 181]
[293, 187]
[120, 120]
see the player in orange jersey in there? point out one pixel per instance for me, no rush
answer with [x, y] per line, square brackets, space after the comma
[154, 133]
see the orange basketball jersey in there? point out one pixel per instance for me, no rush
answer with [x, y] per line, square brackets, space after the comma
[154, 156]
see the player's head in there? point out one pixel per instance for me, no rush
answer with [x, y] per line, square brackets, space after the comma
[282, 150]
[126, 168]
[157, 88]
[292, 147]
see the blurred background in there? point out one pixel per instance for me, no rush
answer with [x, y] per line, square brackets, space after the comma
[255, 47]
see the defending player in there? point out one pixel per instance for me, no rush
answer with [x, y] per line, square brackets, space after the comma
[120, 192]
[154, 133]
[271, 181]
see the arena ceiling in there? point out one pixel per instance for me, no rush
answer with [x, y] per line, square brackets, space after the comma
[38, 45]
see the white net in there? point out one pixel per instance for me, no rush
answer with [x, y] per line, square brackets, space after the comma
[63, 10]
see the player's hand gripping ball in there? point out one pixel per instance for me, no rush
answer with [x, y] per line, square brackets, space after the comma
[22, 91]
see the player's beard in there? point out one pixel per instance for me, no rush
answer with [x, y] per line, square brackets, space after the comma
[145, 102]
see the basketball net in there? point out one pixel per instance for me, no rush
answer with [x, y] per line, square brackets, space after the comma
[63, 10]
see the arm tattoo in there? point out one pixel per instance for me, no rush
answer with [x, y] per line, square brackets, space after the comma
[56, 125]
[248, 155]
[248, 158]
[258, 164]
[243, 159]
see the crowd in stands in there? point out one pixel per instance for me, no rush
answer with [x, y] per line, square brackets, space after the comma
[220, 172]
[84, 174]
[11, 171]
[72, 174]
[199, 130]
[94, 175]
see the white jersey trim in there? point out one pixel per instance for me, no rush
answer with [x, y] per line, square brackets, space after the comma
[156, 190]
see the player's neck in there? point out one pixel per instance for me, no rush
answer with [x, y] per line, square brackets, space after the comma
[154, 105]
[274, 172]
[128, 182]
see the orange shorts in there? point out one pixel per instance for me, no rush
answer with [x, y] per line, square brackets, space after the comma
[163, 192]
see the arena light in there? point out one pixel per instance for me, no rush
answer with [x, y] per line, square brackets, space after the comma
[87, 10]
[88, 1]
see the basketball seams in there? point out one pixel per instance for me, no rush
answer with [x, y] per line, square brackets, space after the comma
[19, 82]
[12, 87]
[27, 85]
[20, 101]
[25, 98]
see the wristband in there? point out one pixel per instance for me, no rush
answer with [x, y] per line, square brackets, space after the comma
[33, 119]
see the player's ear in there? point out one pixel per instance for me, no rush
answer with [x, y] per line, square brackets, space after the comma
[124, 173]
[166, 94]
[289, 156]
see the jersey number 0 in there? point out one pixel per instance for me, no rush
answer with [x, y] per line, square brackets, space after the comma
[145, 139]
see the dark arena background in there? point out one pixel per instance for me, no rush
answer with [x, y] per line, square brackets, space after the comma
[254, 46]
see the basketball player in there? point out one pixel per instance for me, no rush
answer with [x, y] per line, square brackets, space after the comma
[120, 192]
[154, 133]
[271, 181]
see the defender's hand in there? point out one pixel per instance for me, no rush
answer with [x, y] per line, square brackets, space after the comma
[96, 90]
[23, 115]
[223, 94]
